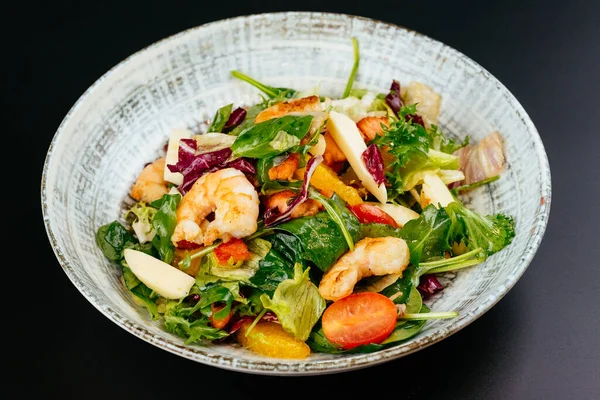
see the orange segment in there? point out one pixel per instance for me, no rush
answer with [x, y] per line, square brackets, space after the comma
[325, 179]
[271, 340]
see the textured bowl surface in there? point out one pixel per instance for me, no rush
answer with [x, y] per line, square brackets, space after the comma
[123, 121]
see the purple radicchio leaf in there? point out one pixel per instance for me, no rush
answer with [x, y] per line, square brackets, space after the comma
[374, 163]
[429, 285]
[201, 164]
[393, 98]
[192, 166]
[237, 117]
[273, 216]
[243, 164]
[415, 119]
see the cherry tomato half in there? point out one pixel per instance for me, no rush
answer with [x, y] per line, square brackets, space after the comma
[360, 318]
[368, 213]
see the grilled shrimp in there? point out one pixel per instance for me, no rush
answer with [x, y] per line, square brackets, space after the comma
[150, 184]
[230, 196]
[371, 256]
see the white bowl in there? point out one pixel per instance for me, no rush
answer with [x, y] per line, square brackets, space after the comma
[122, 121]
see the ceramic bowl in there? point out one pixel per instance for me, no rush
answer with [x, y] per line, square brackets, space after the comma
[123, 121]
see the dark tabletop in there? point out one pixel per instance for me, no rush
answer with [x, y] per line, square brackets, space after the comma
[541, 341]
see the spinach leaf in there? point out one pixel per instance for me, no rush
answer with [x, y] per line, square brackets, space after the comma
[414, 301]
[427, 236]
[183, 319]
[272, 137]
[335, 208]
[320, 236]
[164, 223]
[278, 264]
[220, 118]
[113, 238]
[404, 330]
[403, 285]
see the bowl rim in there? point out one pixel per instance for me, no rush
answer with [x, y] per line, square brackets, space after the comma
[296, 367]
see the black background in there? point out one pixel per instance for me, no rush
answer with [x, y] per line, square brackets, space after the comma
[541, 341]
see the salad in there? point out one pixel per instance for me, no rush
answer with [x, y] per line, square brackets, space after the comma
[307, 223]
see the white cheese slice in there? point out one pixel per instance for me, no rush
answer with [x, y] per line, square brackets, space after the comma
[434, 191]
[173, 154]
[348, 138]
[319, 148]
[159, 276]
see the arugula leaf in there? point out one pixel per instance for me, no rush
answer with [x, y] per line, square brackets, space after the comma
[272, 92]
[142, 292]
[427, 236]
[220, 119]
[183, 319]
[491, 233]
[164, 223]
[272, 137]
[297, 303]
[375, 230]
[406, 329]
[464, 188]
[195, 331]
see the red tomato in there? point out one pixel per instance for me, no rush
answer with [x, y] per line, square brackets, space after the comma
[360, 318]
[235, 248]
[368, 213]
[218, 323]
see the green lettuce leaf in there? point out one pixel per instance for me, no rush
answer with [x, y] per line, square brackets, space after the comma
[212, 271]
[297, 303]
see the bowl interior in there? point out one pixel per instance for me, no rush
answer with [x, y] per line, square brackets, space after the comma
[123, 121]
